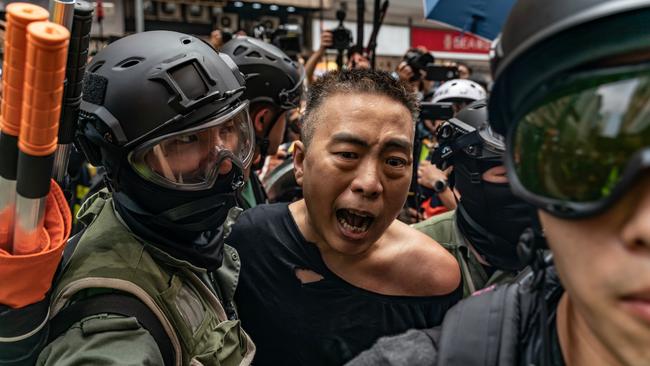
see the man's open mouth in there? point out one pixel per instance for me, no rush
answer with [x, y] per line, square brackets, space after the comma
[354, 221]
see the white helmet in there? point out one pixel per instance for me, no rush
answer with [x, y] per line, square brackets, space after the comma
[459, 90]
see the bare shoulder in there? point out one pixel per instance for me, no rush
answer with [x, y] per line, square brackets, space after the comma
[420, 260]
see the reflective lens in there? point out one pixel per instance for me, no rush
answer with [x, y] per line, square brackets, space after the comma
[576, 147]
[193, 159]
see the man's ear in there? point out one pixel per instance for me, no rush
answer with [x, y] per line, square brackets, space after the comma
[299, 161]
[262, 116]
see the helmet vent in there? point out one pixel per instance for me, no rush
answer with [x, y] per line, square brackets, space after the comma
[186, 41]
[239, 50]
[254, 54]
[96, 66]
[271, 58]
[129, 62]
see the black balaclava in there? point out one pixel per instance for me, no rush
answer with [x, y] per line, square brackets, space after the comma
[488, 214]
[187, 225]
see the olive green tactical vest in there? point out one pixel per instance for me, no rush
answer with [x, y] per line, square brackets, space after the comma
[108, 256]
[443, 229]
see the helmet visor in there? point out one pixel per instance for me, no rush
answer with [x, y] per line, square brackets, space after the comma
[194, 158]
[580, 148]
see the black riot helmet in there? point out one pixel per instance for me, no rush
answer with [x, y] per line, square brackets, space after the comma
[271, 76]
[571, 95]
[533, 50]
[488, 214]
[150, 86]
[162, 112]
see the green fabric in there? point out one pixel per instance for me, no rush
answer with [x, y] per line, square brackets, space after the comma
[248, 195]
[442, 228]
[102, 340]
[107, 251]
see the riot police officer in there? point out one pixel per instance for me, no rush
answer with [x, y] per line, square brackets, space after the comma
[274, 86]
[150, 280]
[484, 230]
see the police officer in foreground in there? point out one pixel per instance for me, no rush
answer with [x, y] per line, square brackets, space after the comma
[150, 281]
[274, 86]
[578, 148]
[483, 232]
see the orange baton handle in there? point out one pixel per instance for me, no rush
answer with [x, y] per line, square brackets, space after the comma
[19, 16]
[47, 50]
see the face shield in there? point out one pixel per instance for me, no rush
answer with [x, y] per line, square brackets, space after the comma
[193, 159]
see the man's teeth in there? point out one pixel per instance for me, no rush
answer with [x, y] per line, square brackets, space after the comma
[354, 229]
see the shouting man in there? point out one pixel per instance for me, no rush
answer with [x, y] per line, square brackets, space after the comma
[324, 277]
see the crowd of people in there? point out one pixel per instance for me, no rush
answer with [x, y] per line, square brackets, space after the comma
[250, 212]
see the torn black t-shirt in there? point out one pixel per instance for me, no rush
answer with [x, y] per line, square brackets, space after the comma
[326, 322]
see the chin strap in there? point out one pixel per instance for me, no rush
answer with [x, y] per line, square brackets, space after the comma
[264, 142]
[264, 147]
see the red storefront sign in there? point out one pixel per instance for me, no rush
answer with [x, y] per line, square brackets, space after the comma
[438, 40]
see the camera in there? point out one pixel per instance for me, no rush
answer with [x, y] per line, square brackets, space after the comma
[453, 136]
[418, 60]
[441, 73]
[342, 37]
[288, 38]
[434, 111]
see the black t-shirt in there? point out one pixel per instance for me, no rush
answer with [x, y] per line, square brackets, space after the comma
[319, 323]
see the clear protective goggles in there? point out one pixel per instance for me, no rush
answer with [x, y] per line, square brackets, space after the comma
[581, 148]
[193, 159]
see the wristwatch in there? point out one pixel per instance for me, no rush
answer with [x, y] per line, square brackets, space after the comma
[440, 185]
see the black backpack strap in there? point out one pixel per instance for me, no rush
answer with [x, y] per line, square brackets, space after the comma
[481, 330]
[114, 303]
[71, 245]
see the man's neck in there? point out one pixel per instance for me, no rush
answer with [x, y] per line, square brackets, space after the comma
[359, 269]
[331, 257]
[579, 345]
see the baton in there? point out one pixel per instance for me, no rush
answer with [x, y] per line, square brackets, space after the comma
[47, 49]
[76, 66]
[18, 16]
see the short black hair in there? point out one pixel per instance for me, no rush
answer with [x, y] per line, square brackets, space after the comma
[351, 81]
